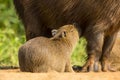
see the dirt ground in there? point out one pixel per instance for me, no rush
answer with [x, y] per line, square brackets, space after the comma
[15, 74]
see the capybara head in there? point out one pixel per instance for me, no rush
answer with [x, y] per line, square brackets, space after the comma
[66, 32]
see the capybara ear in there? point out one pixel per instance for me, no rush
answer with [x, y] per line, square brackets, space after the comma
[54, 32]
[63, 34]
[78, 28]
[58, 35]
[75, 24]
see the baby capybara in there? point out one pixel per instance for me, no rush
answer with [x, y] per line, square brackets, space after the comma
[43, 54]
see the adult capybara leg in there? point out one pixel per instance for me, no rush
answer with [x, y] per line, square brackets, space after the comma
[107, 48]
[94, 50]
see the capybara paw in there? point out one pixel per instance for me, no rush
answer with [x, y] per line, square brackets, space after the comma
[107, 68]
[91, 66]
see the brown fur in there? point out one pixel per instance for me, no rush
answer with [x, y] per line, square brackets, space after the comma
[43, 54]
[98, 19]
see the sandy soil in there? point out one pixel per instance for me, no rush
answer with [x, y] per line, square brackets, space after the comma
[15, 74]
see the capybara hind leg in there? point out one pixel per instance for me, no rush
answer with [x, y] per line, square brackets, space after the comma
[94, 50]
[68, 67]
[106, 66]
[107, 48]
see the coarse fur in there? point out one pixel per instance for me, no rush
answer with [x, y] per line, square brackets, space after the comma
[43, 54]
[98, 19]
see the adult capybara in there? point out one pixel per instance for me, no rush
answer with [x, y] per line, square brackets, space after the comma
[43, 54]
[98, 19]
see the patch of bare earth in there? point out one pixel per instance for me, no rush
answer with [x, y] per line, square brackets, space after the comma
[15, 74]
